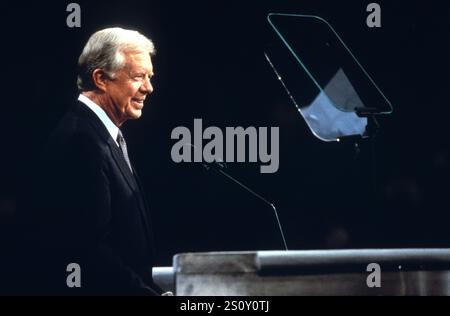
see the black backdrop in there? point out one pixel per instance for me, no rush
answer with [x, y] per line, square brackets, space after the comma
[210, 65]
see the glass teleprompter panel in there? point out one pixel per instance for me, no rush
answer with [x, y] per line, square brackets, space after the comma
[322, 76]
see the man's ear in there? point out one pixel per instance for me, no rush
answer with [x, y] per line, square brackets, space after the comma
[100, 78]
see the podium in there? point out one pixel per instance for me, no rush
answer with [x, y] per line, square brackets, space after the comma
[391, 272]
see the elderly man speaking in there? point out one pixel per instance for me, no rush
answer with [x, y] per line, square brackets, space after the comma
[92, 212]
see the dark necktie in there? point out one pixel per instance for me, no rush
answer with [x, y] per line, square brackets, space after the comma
[123, 148]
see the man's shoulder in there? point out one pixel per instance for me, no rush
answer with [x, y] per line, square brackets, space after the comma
[78, 129]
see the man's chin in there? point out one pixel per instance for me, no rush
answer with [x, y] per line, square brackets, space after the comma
[135, 114]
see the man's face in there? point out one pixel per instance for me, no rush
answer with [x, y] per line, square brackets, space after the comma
[130, 86]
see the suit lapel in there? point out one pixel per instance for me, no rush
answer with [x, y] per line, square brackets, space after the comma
[117, 155]
[134, 183]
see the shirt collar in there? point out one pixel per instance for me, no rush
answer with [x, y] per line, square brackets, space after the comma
[110, 126]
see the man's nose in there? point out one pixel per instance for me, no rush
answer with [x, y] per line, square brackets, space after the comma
[147, 86]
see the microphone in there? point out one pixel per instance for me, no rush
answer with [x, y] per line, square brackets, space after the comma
[210, 165]
[219, 166]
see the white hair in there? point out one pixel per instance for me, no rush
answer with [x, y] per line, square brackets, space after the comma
[105, 50]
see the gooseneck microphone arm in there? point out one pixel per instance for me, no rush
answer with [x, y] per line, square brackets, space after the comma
[225, 174]
[219, 166]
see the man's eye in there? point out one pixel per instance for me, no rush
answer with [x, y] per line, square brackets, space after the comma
[141, 78]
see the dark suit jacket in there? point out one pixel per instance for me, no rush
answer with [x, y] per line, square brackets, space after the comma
[89, 209]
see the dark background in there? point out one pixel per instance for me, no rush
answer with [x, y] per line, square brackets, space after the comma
[210, 65]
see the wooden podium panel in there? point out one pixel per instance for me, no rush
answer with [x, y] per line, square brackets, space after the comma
[328, 272]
